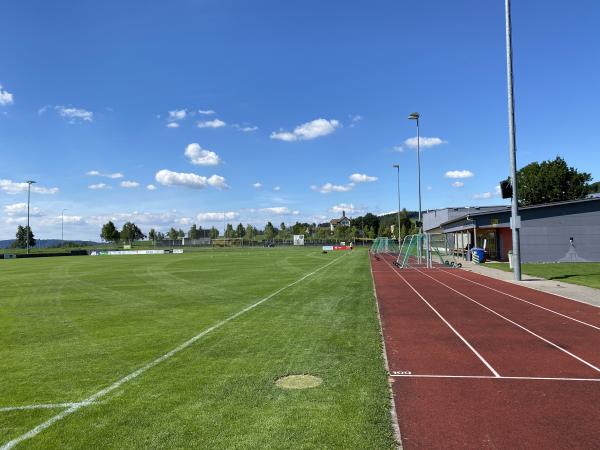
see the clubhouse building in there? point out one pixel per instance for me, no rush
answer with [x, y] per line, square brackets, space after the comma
[553, 232]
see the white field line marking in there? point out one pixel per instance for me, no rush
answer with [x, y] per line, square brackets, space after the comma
[481, 358]
[395, 421]
[523, 300]
[516, 324]
[496, 378]
[93, 398]
[38, 406]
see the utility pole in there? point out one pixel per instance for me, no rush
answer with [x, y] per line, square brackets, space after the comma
[515, 220]
[397, 167]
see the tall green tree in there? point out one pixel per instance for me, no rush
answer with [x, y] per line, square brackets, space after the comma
[152, 234]
[551, 181]
[269, 231]
[214, 233]
[172, 234]
[130, 232]
[250, 232]
[229, 232]
[240, 231]
[109, 232]
[194, 232]
[22, 235]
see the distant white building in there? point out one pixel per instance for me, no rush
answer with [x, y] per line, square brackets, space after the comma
[342, 221]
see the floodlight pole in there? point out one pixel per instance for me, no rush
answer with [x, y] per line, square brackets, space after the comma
[29, 183]
[397, 167]
[415, 116]
[62, 227]
[515, 219]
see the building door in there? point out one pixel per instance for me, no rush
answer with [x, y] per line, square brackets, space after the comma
[491, 242]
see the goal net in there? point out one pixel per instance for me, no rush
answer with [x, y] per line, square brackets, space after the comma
[384, 245]
[427, 251]
[227, 242]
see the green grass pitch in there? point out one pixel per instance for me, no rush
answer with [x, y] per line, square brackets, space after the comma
[73, 326]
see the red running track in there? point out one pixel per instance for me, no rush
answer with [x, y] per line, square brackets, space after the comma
[481, 363]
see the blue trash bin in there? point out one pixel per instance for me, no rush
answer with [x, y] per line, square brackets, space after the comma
[478, 255]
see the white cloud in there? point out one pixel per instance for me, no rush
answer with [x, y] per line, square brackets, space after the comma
[99, 186]
[457, 184]
[245, 128]
[355, 119]
[330, 187]
[129, 184]
[6, 98]
[200, 156]
[257, 185]
[277, 188]
[151, 187]
[177, 114]
[74, 114]
[277, 210]
[425, 142]
[486, 195]
[429, 188]
[347, 207]
[307, 131]
[191, 180]
[172, 125]
[206, 112]
[362, 178]
[459, 174]
[20, 208]
[216, 123]
[217, 216]
[13, 187]
[95, 173]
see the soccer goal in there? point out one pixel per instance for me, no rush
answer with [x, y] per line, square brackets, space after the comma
[427, 251]
[227, 242]
[384, 245]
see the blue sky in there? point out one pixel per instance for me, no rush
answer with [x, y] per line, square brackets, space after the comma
[202, 100]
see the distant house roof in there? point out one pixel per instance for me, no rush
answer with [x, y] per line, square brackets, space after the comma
[341, 219]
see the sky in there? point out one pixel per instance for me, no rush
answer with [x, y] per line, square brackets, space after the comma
[169, 113]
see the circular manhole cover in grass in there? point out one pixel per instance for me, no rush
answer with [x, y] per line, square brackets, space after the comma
[298, 382]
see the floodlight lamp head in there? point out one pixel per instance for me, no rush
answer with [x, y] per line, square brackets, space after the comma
[396, 166]
[30, 182]
[414, 116]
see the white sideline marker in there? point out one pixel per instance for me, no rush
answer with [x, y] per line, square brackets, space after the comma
[489, 377]
[38, 406]
[93, 398]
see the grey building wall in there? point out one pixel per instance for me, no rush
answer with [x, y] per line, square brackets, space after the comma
[546, 230]
[546, 233]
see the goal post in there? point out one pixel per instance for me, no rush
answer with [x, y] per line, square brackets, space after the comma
[227, 242]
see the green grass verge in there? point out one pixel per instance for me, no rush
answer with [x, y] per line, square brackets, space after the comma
[585, 274]
[70, 327]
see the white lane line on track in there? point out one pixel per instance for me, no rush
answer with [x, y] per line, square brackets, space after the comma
[558, 347]
[488, 377]
[39, 406]
[481, 358]
[93, 398]
[522, 300]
